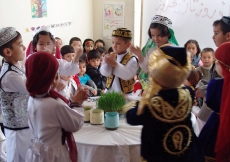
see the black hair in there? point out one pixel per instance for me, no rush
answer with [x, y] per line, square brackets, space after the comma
[101, 41]
[57, 38]
[67, 49]
[223, 26]
[86, 40]
[208, 49]
[9, 44]
[36, 37]
[110, 50]
[74, 39]
[194, 42]
[82, 61]
[101, 50]
[93, 54]
[164, 30]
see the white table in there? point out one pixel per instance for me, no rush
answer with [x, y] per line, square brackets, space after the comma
[96, 144]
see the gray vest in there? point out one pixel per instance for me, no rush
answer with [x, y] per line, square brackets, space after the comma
[13, 104]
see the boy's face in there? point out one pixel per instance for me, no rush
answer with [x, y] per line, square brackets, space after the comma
[218, 37]
[66, 78]
[119, 45]
[207, 59]
[76, 45]
[68, 57]
[89, 47]
[17, 53]
[82, 68]
[99, 44]
[94, 62]
[45, 44]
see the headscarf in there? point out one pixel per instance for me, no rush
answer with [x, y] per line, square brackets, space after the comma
[41, 69]
[222, 148]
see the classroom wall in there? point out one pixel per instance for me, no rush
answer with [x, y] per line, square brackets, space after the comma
[17, 13]
[98, 18]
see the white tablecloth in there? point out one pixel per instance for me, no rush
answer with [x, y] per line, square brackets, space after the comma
[96, 144]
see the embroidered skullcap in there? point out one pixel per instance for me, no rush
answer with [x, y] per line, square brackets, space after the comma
[7, 34]
[122, 32]
[162, 20]
[169, 66]
[226, 20]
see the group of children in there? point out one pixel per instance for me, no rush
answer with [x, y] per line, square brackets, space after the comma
[36, 102]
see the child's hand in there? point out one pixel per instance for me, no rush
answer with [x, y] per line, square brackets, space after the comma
[94, 91]
[80, 95]
[110, 61]
[137, 51]
[60, 86]
[78, 53]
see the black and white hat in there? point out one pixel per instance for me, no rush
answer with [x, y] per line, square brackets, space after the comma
[226, 20]
[162, 20]
[7, 34]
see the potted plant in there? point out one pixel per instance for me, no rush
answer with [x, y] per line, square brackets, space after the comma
[111, 102]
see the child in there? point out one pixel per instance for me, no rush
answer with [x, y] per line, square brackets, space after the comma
[110, 50]
[207, 58]
[161, 33]
[92, 70]
[51, 120]
[193, 47]
[120, 66]
[43, 40]
[67, 52]
[59, 42]
[222, 148]
[101, 50]
[14, 95]
[85, 78]
[164, 110]
[99, 43]
[75, 42]
[88, 45]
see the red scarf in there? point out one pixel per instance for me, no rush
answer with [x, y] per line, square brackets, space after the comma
[41, 69]
[222, 148]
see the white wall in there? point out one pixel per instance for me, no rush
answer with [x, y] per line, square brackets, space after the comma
[17, 13]
[98, 19]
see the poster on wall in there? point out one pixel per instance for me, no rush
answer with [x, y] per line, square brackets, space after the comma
[38, 8]
[113, 17]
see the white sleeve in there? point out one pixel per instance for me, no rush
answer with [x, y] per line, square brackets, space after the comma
[105, 69]
[144, 64]
[127, 71]
[68, 68]
[70, 119]
[14, 82]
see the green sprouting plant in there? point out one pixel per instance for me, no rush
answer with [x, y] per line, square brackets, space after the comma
[111, 101]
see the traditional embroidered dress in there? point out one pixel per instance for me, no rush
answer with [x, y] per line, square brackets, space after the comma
[165, 110]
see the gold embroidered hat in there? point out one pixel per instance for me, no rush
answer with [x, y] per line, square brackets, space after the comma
[7, 34]
[169, 66]
[122, 32]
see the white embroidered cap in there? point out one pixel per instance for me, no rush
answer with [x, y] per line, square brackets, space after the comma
[162, 20]
[7, 34]
[42, 28]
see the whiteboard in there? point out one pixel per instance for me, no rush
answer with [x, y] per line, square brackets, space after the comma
[191, 19]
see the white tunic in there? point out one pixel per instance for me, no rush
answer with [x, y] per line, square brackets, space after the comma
[47, 117]
[124, 72]
[70, 88]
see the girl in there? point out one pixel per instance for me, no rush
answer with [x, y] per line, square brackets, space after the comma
[161, 33]
[50, 118]
[43, 40]
[99, 43]
[88, 45]
[193, 47]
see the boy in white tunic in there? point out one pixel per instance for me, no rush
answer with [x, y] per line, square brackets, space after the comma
[14, 95]
[120, 66]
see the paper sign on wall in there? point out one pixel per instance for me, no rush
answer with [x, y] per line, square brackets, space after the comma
[113, 17]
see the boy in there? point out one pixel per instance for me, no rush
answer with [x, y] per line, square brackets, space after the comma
[67, 53]
[75, 42]
[85, 78]
[14, 95]
[92, 69]
[120, 66]
[165, 110]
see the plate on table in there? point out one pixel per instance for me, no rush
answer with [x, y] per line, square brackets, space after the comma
[92, 99]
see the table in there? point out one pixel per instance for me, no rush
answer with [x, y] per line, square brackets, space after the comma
[96, 144]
